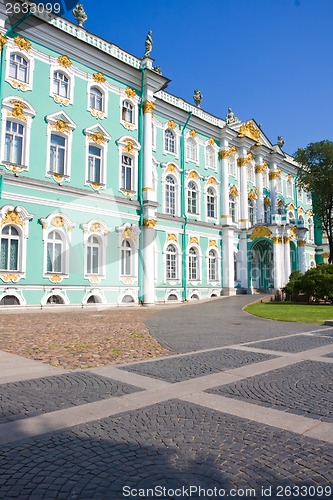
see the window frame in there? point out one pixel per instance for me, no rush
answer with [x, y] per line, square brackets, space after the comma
[194, 264]
[169, 257]
[169, 138]
[210, 203]
[211, 278]
[15, 82]
[193, 198]
[191, 150]
[11, 238]
[65, 134]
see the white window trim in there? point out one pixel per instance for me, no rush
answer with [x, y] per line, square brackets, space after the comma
[218, 264]
[177, 280]
[130, 147]
[101, 141]
[196, 145]
[173, 170]
[103, 89]
[217, 201]
[176, 134]
[67, 134]
[197, 183]
[131, 233]
[18, 84]
[215, 149]
[134, 102]
[234, 172]
[199, 264]
[101, 230]
[69, 73]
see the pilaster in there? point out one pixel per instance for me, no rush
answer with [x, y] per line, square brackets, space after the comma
[224, 175]
[278, 257]
[228, 277]
[244, 158]
[260, 167]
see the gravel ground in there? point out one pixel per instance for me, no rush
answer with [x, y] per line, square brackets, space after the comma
[80, 339]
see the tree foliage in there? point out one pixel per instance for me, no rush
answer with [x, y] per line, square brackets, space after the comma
[316, 284]
[316, 176]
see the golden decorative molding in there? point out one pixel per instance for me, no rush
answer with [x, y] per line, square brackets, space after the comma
[129, 146]
[252, 195]
[233, 150]
[148, 107]
[96, 185]
[277, 240]
[3, 41]
[275, 174]
[301, 243]
[94, 280]
[61, 126]
[212, 180]
[64, 61]
[243, 220]
[293, 231]
[172, 124]
[309, 213]
[260, 232]
[301, 210]
[267, 201]
[99, 77]
[58, 177]
[96, 227]
[287, 239]
[12, 217]
[325, 255]
[192, 133]
[225, 216]
[280, 203]
[16, 169]
[128, 234]
[194, 239]
[172, 237]
[10, 277]
[130, 93]
[60, 100]
[97, 137]
[211, 141]
[22, 43]
[55, 278]
[223, 153]
[171, 168]
[289, 177]
[18, 110]
[249, 129]
[193, 175]
[233, 191]
[212, 243]
[149, 223]
[259, 169]
[58, 221]
[242, 162]
[290, 207]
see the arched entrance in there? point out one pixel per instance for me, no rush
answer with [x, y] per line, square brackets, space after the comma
[293, 256]
[262, 268]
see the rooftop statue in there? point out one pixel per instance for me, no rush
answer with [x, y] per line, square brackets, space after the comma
[197, 97]
[230, 117]
[80, 14]
[149, 44]
[280, 141]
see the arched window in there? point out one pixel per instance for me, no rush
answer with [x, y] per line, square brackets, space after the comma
[58, 145]
[169, 141]
[55, 299]
[251, 212]
[191, 149]
[289, 188]
[127, 173]
[193, 264]
[310, 228]
[96, 99]
[212, 266]
[94, 164]
[211, 203]
[171, 263]
[126, 258]
[9, 300]
[192, 198]
[210, 157]
[233, 208]
[127, 113]
[60, 84]
[10, 243]
[14, 142]
[170, 195]
[18, 68]
[267, 213]
[93, 255]
[55, 250]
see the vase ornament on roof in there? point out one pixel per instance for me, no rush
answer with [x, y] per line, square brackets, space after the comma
[80, 14]
[197, 97]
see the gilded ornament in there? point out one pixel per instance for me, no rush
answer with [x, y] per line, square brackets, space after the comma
[3, 41]
[18, 85]
[55, 278]
[99, 77]
[97, 137]
[13, 168]
[242, 162]
[18, 110]
[260, 232]
[171, 168]
[172, 237]
[193, 134]
[58, 177]
[130, 92]
[211, 141]
[275, 174]
[194, 239]
[212, 180]
[252, 195]
[289, 177]
[96, 227]
[149, 223]
[267, 202]
[94, 280]
[280, 203]
[148, 107]
[129, 146]
[250, 130]
[58, 221]
[60, 100]
[12, 217]
[277, 240]
[22, 43]
[223, 153]
[309, 213]
[293, 231]
[212, 243]
[287, 239]
[233, 191]
[325, 255]
[193, 175]
[10, 277]
[95, 185]
[64, 61]
[290, 206]
[171, 124]
[259, 169]
[301, 210]
[61, 126]
[128, 234]
[301, 243]
[233, 150]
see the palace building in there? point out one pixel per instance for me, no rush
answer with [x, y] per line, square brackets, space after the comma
[114, 191]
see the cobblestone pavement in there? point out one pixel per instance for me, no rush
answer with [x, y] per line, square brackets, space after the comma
[242, 418]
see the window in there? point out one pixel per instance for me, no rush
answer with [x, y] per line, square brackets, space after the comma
[265, 179]
[57, 154]
[96, 99]
[169, 141]
[232, 165]
[289, 188]
[211, 203]
[191, 149]
[54, 253]
[170, 195]
[193, 264]
[93, 255]
[279, 184]
[18, 68]
[192, 198]
[210, 157]
[127, 112]
[171, 263]
[267, 214]
[233, 208]
[212, 266]
[310, 228]
[251, 212]
[127, 173]
[60, 84]
[10, 241]
[126, 258]
[14, 141]
[250, 172]
[94, 164]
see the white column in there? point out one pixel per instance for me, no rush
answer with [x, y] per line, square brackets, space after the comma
[224, 171]
[148, 256]
[301, 255]
[273, 175]
[228, 278]
[287, 262]
[244, 264]
[278, 261]
[243, 197]
[259, 168]
[147, 187]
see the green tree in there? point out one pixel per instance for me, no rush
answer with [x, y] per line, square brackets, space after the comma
[316, 176]
[317, 282]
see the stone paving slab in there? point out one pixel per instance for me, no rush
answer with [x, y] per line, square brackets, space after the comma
[304, 389]
[173, 445]
[182, 368]
[298, 343]
[28, 398]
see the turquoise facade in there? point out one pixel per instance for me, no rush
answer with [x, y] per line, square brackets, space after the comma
[116, 192]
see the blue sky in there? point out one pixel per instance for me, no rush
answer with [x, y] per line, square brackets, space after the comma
[270, 60]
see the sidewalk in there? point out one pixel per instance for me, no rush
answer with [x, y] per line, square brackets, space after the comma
[249, 414]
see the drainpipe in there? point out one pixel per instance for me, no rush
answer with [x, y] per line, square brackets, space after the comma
[183, 205]
[140, 184]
